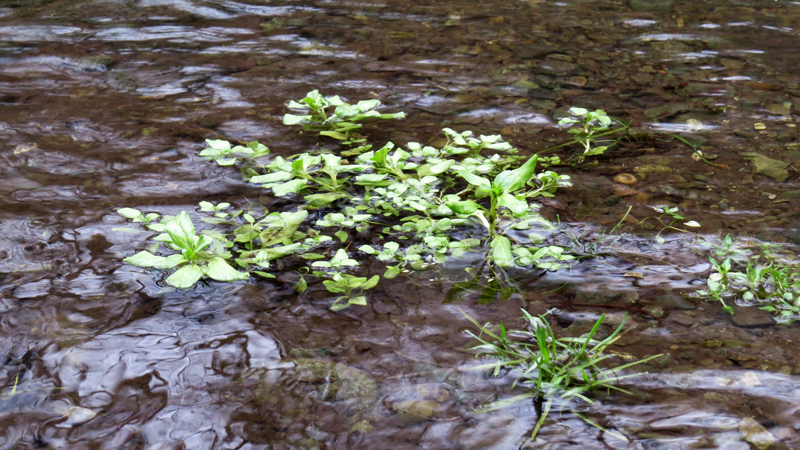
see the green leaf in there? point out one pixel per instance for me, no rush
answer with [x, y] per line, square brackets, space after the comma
[181, 231]
[392, 272]
[129, 213]
[312, 256]
[371, 283]
[334, 134]
[463, 207]
[218, 269]
[368, 250]
[510, 181]
[147, 259]
[518, 207]
[271, 177]
[334, 287]
[185, 277]
[479, 182]
[292, 119]
[301, 285]
[322, 200]
[293, 187]
[342, 235]
[263, 274]
[501, 251]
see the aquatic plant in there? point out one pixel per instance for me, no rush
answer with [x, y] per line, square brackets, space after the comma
[754, 275]
[474, 194]
[587, 127]
[552, 369]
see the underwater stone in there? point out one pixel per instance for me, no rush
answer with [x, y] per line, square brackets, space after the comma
[651, 5]
[772, 168]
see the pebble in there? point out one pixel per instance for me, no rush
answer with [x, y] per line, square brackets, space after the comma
[625, 178]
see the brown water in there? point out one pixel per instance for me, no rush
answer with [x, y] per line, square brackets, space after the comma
[105, 104]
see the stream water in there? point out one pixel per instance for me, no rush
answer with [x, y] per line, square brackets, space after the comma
[105, 104]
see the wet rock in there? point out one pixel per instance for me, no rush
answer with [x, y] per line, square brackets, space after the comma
[669, 109]
[352, 390]
[734, 64]
[644, 170]
[541, 93]
[682, 319]
[531, 51]
[554, 66]
[710, 343]
[651, 5]
[96, 63]
[623, 191]
[608, 103]
[792, 231]
[612, 200]
[625, 178]
[779, 109]
[750, 317]
[656, 311]
[676, 302]
[763, 165]
[600, 296]
[415, 411]
[754, 433]
[488, 431]
[655, 160]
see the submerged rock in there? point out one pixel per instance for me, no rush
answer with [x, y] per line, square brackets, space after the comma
[676, 302]
[772, 168]
[651, 5]
[754, 433]
[750, 317]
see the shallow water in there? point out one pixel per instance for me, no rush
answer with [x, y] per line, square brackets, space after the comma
[105, 104]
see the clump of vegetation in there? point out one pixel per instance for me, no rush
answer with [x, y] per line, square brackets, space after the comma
[754, 275]
[551, 369]
[428, 204]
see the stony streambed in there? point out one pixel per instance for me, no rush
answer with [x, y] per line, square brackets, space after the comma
[105, 104]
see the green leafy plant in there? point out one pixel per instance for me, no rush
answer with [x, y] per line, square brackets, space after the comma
[472, 195]
[674, 216]
[552, 369]
[340, 124]
[199, 255]
[221, 151]
[589, 126]
[765, 278]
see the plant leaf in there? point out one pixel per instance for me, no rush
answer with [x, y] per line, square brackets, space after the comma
[463, 207]
[501, 251]
[479, 182]
[185, 277]
[218, 269]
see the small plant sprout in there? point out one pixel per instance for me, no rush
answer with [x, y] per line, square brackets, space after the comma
[224, 154]
[341, 123]
[675, 216]
[552, 369]
[589, 126]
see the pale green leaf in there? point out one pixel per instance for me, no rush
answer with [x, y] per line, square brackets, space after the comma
[218, 269]
[185, 277]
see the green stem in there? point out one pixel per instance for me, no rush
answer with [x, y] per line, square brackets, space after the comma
[577, 141]
[541, 419]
